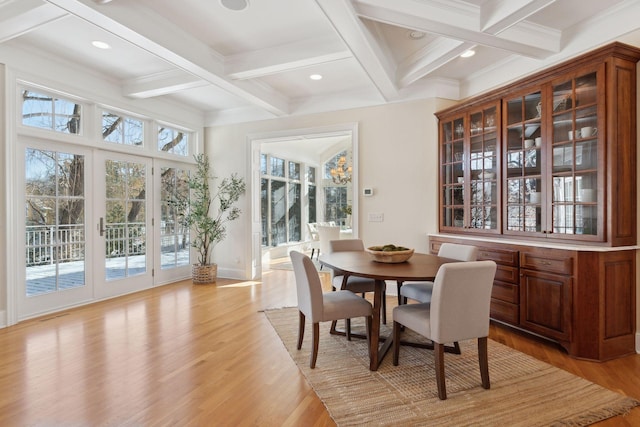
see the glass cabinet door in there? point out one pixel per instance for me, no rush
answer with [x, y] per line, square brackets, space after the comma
[575, 136]
[483, 168]
[524, 185]
[452, 177]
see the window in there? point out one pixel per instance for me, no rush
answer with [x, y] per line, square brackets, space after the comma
[173, 141]
[335, 208]
[48, 112]
[281, 200]
[294, 170]
[337, 176]
[122, 129]
[277, 167]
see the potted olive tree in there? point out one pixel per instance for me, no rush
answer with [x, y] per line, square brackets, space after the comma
[207, 212]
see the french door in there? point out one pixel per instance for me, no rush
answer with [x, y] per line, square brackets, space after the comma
[123, 237]
[57, 270]
[87, 226]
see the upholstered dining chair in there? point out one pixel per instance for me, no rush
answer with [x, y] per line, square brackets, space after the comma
[326, 234]
[319, 306]
[358, 285]
[421, 291]
[459, 310]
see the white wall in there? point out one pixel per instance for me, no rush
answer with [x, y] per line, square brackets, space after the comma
[397, 158]
[3, 242]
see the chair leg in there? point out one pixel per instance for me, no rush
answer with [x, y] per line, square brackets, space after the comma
[396, 342]
[300, 330]
[314, 347]
[438, 351]
[347, 327]
[483, 359]
[369, 325]
[400, 282]
[384, 307]
[312, 252]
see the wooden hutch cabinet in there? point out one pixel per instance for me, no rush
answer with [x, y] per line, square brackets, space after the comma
[541, 175]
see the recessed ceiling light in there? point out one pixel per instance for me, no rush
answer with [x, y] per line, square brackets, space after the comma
[416, 35]
[236, 5]
[315, 77]
[468, 53]
[100, 45]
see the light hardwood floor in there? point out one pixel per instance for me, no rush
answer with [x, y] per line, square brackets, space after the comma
[198, 355]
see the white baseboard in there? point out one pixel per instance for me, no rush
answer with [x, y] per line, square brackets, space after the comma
[638, 342]
[3, 319]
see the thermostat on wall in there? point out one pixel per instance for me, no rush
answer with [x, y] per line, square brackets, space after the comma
[367, 191]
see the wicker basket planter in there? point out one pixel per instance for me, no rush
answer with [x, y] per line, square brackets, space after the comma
[203, 274]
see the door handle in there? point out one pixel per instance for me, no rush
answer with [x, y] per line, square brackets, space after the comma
[101, 226]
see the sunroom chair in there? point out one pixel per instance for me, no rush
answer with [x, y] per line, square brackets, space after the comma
[358, 285]
[318, 306]
[421, 291]
[459, 310]
[314, 243]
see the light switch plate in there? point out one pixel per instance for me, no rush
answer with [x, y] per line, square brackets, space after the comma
[376, 217]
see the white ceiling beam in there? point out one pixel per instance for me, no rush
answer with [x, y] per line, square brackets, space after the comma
[161, 84]
[436, 17]
[430, 58]
[279, 59]
[498, 15]
[165, 40]
[20, 17]
[362, 44]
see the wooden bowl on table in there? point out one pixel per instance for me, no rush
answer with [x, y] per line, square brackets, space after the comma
[390, 254]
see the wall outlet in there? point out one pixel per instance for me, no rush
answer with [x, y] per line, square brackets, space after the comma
[376, 217]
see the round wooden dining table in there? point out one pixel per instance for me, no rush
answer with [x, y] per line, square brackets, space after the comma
[420, 267]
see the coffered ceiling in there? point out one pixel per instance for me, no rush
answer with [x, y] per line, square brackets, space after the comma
[255, 63]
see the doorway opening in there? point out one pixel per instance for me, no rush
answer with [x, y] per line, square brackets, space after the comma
[306, 176]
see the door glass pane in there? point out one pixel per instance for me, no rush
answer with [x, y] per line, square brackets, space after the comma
[484, 171]
[125, 228]
[174, 233]
[453, 172]
[55, 221]
[575, 156]
[524, 163]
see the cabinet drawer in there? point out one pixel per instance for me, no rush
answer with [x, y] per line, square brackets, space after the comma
[504, 311]
[505, 292]
[500, 256]
[542, 262]
[507, 274]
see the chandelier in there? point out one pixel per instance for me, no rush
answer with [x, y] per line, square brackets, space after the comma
[341, 174]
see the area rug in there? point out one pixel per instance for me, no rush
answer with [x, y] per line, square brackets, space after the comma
[524, 391]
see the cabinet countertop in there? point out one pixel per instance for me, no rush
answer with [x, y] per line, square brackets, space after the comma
[538, 244]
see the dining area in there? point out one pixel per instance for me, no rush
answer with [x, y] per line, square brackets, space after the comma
[452, 303]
